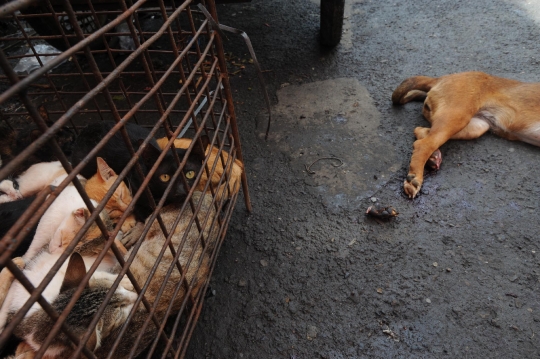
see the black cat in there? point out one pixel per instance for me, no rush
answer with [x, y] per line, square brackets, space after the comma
[9, 214]
[117, 156]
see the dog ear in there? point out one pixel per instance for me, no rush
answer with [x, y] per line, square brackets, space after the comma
[75, 272]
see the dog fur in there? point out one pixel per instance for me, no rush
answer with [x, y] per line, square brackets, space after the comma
[464, 106]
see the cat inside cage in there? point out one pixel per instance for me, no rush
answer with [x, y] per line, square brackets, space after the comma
[119, 171]
[172, 277]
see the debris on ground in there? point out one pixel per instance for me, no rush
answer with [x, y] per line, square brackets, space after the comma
[29, 64]
[391, 334]
[381, 212]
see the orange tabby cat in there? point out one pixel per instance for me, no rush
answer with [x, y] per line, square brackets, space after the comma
[235, 174]
[98, 185]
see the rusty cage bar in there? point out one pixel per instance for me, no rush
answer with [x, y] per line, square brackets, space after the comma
[109, 282]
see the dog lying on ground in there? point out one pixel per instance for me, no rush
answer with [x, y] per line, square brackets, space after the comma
[464, 106]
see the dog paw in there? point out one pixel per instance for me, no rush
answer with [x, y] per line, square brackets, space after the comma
[412, 185]
[434, 161]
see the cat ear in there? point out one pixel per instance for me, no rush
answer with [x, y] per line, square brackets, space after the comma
[199, 151]
[65, 232]
[75, 272]
[150, 153]
[81, 215]
[104, 171]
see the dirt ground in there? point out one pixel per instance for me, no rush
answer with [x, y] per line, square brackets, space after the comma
[307, 275]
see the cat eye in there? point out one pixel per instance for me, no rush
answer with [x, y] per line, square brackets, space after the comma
[190, 174]
[165, 178]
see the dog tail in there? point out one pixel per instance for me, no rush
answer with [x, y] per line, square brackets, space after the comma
[413, 89]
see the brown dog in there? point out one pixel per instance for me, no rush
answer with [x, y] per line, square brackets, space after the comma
[464, 106]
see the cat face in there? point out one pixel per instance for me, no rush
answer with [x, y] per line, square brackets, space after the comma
[71, 225]
[98, 185]
[167, 168]
[8, 192]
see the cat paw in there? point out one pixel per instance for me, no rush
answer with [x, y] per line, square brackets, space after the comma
[412, 185]
[19, 262]
[126, 283]
[128, 224]
[131, 236]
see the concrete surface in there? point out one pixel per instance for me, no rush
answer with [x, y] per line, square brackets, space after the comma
[307, 275]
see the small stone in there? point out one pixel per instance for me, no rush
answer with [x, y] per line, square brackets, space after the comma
[530, 310]
[242, 283]
[312, 332]
[435, 264]
[264, 262]
[448, 270]
[379, 290]
[428, 300]
[373, 199]
[298, 248]
[495, 323]
[356, 297]
[511, 149]
[293, 307]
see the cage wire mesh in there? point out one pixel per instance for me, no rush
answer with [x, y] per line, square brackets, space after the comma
[125, 252]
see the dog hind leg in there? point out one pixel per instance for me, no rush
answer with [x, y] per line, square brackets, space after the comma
[434, 161]
[444, 127]
[474, 129]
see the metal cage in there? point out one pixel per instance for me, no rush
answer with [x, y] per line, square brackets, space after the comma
[157, 64]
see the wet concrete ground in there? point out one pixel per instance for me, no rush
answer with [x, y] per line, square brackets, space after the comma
[307, 275]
